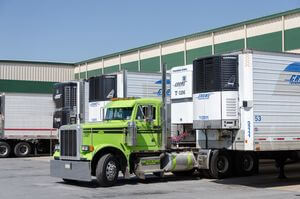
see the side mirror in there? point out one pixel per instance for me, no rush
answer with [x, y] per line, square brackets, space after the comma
[131, 136]
[149, 113]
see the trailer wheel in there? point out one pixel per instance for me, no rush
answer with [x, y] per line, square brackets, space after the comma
[22, 149]
[107, 170]
[246, 163]
[220, 164]
[4, 150]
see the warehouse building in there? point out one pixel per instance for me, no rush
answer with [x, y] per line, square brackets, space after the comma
[33, 76]
[279, 32]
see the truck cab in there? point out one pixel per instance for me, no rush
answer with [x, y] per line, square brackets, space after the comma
[131, 128]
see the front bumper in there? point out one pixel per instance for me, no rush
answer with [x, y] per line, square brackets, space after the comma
[73, 170]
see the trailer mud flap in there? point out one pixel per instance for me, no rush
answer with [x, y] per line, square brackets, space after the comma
[73, 170]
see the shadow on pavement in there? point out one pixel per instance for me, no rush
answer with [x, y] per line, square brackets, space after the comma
[150, 179]
[267, 178]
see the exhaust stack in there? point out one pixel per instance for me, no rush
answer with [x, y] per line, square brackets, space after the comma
[165, 120]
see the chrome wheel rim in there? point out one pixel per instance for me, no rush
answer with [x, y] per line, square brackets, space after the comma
[111, 170]
[23, 149]
[3, 150]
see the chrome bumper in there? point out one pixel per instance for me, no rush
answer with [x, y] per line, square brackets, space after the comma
[73, 170]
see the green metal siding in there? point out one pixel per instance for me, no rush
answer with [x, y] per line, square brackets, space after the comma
[94, 73]
[82, 75]
[174, 59]
[266, 42]
[229, 46]
[292, 39]
[150, 65]
[20, 86]
[111, 69]
[197, 52]
[131, 66]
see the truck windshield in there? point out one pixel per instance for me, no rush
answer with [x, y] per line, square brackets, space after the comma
[118, 113]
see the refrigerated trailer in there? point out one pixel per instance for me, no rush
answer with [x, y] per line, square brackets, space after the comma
[246, 107]
[121, 85]
[26, 123]
[96, 92]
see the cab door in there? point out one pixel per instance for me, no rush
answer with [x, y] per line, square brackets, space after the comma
[148, 130]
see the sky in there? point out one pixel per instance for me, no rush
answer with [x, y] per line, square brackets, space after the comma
[76, 30]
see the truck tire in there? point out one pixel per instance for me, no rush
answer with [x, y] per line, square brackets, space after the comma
[107, 170]
[246, 163]
[22, 149]
[4, 150]
[220, 164]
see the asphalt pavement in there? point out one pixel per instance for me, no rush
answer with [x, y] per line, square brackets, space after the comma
[28, 178]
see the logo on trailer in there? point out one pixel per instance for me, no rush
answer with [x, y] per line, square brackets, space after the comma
[159, 92]
[294, 68]
[204, 96]
[111, 94]
[203, 117]
[181, 83]
[249, 128]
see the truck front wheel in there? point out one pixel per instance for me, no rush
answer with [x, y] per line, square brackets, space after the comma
[22, 149]
[107, 170]
[4, 150]
[220, 165]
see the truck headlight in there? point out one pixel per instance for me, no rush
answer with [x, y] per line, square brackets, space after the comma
[87, 148]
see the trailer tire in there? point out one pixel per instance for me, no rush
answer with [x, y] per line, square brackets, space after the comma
[4, 150]
[246, 163]
[220, 164]
[107, 170]
[22, 149]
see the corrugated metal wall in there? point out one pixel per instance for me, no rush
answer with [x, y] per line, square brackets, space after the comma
[33, 77]
[36, 71]
[271, 33]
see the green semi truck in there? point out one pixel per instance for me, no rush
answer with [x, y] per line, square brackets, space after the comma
[129, 140]
[134, 138]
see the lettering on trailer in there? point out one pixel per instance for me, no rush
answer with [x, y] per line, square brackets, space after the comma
[203, 117]
[204, 96]
[295, 78]
[180, 84]
[159, 92]
[249, 128]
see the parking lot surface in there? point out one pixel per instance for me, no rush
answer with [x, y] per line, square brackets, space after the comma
[28, 178]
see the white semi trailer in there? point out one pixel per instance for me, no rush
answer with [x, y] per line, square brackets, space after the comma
[246, 107]
[121, 85]
[26, 123]
[96, 92]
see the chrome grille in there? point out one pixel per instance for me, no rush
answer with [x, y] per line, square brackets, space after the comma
[68, 143]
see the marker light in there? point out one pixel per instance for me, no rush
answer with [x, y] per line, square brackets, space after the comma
[87, 148]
